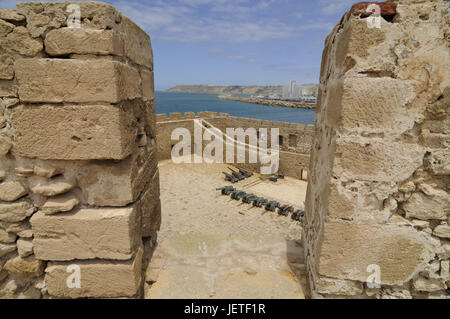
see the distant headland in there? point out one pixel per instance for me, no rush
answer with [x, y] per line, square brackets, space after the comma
[228, 90]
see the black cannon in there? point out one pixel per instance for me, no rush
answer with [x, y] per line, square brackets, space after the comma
[237, 195]
[245, 173]
[237, 175]
[298, 215]
[272, 205]
[226, 190]
[273, 179]
[281, 176]
[260, 201]
[285, 210]
[249, 198]
[230, 178]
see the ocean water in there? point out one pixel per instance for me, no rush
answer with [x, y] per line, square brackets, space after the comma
[196, 102]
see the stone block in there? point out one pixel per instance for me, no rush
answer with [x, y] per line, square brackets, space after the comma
[11, 191]
[137, 44]
[57, 186]
[15, 212]
[25, 268]
[11, 15]
[24, 247]
[58, 204]
[66, 41]
[149, 207]
[332, 286]
[7, 238]
[99, 278]
[106, 233]
[348, 249]
[434, 205]
[372, 104]
[5, 145]
[148, 85]
[20, 41]
[6, 249]
[74, 80]
[377, 160]
[117, 184]
[73, 132]
[8, 88]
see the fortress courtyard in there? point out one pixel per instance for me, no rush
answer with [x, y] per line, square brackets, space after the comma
[211, 246]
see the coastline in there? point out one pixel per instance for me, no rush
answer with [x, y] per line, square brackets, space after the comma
[290, 104]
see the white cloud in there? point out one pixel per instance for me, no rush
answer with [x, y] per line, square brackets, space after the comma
[331, 7]
[230, 21]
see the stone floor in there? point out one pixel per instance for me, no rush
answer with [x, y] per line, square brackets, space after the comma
[211, 246]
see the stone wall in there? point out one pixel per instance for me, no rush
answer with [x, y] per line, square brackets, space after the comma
[294, 150]
[78, 166]
[378, 195]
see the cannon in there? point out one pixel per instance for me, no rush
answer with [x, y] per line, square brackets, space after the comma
[237, 175]
[272, 205]
[260, 201]
[281, 176]
[245, 173]
[298, 215]
[249, 198]
[226, 190]
[285, 210]
[237, 195]
[273, 179]
[230, 178]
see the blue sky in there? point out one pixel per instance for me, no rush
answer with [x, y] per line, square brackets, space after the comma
[234, 42]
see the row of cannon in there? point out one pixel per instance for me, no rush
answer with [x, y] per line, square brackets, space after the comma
[269, 205]
[237, 176]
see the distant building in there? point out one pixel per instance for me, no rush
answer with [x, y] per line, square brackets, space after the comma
[305, 92]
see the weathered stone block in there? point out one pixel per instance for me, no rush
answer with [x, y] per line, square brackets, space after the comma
[372, 104]
[435, 205]
[76, 132]
[6, 249]
[66, 41]
[107, 233]
[5, 145]
[149, 208]
[20, 41]
[24, 247]
[348, 249]
[73, 80]
[332, 286]
[117, 184]
[25, 268]
[7, 238]
[99, 278]
[15, 212]
[58, 204]
[12, 191]
[377, 160]
[53, 187]
[137, 43]
[8, 88]
[11, 15]
[148, 86]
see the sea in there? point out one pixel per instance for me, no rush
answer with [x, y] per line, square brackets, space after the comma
[171, 102]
